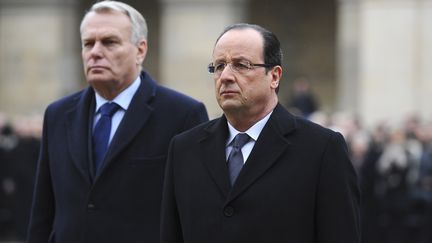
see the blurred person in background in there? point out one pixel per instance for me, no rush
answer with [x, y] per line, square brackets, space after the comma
[369, 177]
[19, 145]
[394, 167]
[320, 117]
[358, 148]
[8, 141]
[303, 99]
[100, 170]
[425, 170]
[395, 208]
[424, 182]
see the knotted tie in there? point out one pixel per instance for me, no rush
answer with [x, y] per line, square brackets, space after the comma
[235, 158]
[102, 132]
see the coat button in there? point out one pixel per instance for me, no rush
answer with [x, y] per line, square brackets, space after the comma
[228, 211]
[91, 207]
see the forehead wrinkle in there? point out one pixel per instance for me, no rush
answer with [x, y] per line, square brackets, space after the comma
[93, 34]
[102, 35]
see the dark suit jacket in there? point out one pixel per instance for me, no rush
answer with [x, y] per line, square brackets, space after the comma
[297, 186]
[122, 203]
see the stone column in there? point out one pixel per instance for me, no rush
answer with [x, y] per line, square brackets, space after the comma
[38, 54]
[386, 72]
[348, 39]
[189, 30]
[424, 56]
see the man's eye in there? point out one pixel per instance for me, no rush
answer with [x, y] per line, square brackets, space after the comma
[220, 66]
[87, 44]
[240, 65]
[108, 42]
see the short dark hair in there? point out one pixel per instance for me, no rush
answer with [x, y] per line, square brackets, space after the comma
[272, 51]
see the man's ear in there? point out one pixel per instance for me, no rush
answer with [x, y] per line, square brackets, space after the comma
[276, 74]
[142, 51]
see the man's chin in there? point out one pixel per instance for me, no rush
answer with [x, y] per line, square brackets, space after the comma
[97, 79]
[229, 105]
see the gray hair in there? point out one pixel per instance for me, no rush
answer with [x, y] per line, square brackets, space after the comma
[139, 25]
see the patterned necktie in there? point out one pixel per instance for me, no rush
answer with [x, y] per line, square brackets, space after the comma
[235, 158]
[102, 132]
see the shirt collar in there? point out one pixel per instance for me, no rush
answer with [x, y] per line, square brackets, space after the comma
[123, 99]
[253, 132]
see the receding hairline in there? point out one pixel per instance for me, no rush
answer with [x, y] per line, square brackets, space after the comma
[240, 29]
[102, 11]
[138, 22]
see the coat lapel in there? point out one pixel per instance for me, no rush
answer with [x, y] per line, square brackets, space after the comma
[271, 144]
[78, 127]
[134, 119]
[213, 153]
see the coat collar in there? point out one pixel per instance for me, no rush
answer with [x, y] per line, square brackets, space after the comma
[213, 153]
[80, 119]
[78, 130]
[272, 142]
[134, 119]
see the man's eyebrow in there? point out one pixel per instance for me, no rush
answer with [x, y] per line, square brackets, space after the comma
[219, 60]
[102, 36]
[239, 58]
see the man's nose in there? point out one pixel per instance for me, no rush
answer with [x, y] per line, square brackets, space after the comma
[227, 73]
[96, 50]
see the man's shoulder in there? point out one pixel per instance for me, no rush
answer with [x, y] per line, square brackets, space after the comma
[198, 131]
[68, 101]
[308, 125]
[300, 126]
[174, 95]
[165, 94]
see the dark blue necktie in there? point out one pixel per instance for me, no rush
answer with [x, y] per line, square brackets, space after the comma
[102, 132]
[235, 158]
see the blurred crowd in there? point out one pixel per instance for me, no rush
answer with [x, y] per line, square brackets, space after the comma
[393, 161]
[394, 165]
[19, 149]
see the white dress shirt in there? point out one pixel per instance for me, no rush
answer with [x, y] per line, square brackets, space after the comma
[123, 100]
[253, 132]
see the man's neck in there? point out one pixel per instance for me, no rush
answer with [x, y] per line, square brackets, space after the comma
[243, 120]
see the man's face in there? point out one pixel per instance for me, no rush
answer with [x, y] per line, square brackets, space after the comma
[249, 92]
[111, 61]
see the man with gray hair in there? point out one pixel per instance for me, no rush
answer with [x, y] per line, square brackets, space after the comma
[103, 152]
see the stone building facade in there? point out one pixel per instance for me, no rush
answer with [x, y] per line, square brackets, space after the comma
[366, 57]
